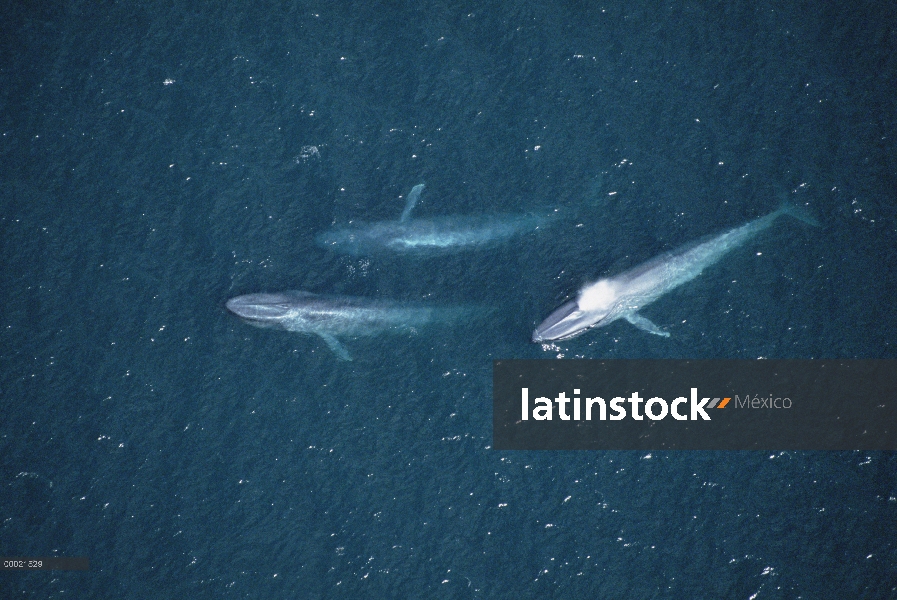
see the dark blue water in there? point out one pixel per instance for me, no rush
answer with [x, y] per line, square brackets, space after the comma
[156, 160]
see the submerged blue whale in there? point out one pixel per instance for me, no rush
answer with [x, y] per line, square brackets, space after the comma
[437, 235]
[330, 317]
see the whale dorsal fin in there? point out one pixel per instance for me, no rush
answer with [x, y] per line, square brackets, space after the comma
[413, 197]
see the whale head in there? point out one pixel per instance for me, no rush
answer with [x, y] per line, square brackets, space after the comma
[592, 308]
[265, 310]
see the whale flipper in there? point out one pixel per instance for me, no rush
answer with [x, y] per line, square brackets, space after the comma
[336, 346]
[413, 197]
[646, 325]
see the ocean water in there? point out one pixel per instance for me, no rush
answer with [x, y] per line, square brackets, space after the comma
[158, 159]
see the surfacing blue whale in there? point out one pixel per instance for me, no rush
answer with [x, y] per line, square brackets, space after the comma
[437, 235]
[624, 295]
[330, 317]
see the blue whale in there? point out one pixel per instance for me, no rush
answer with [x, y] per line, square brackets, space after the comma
[330, 317]
[437, 235]
[624, 295]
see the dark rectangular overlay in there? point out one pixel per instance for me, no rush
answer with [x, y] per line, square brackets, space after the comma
[772, 404]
